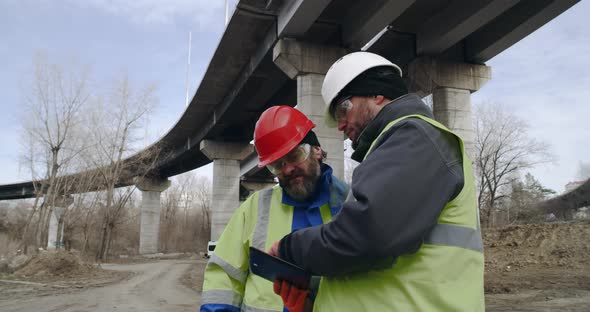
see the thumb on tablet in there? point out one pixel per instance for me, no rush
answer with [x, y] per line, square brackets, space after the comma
[274, 249]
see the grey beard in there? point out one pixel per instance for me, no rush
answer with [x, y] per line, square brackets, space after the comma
[303, 191]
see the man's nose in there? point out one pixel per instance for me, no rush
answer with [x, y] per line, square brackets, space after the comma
[288, 168]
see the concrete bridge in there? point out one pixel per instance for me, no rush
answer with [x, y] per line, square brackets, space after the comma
[277, 52]
[566, 204]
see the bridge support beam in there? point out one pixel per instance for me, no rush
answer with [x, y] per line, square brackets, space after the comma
[149, 230]
[53, 237]
[226, 158]
[451, 85]
[308, 63]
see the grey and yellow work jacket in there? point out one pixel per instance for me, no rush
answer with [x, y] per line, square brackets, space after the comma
[414, 205]
[259, 222]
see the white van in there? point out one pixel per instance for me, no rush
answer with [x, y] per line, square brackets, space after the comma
[210, 248]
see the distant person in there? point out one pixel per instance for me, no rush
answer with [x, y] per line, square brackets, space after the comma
[307, 195]
[414, 202]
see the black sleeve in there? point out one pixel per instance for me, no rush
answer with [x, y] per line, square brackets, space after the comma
[400, 190]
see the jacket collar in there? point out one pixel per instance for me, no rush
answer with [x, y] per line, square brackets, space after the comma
[408, 104]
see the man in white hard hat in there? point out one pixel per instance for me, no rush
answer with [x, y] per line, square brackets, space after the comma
[414, 202]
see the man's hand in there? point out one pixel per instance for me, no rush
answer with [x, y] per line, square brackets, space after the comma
[295, 299]
[274, 249]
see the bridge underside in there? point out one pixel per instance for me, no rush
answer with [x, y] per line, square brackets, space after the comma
[242, 79]
[265, 57]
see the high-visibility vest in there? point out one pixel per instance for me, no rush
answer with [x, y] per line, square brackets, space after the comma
[445, 274]
[260, 221]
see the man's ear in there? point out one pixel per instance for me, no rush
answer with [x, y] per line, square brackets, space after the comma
[380, 100]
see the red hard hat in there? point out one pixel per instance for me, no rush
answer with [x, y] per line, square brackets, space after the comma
[278, 130]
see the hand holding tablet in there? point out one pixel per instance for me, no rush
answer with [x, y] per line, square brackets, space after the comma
[273, 268]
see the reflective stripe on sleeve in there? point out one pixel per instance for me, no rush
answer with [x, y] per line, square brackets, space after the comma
[246, 308]
[232, 271]
[259, 235]
[217, 296]
[455, 235]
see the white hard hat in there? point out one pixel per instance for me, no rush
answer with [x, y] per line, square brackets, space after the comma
[343, 71]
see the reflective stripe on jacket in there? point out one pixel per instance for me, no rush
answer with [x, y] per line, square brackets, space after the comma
[260, 221]
[445, 274]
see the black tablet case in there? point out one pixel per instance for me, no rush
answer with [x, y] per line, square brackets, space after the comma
[273, 268]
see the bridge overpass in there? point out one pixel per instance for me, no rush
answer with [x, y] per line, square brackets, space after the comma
[567, 203]
[277, 52]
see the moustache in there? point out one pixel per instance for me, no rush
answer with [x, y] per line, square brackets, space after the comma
[294, 175]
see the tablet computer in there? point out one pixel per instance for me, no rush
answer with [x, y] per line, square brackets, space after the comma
[273, 268]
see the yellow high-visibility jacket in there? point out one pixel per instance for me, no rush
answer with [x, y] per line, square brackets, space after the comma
[445, 274]
[260, 221]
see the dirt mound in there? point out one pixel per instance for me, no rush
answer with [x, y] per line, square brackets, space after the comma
[538, 257]
[56, 264]
[552, 245]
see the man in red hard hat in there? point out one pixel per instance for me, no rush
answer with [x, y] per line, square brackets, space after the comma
[307, 195]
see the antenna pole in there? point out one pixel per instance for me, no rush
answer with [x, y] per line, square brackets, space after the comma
[226, 12]
[188, 65]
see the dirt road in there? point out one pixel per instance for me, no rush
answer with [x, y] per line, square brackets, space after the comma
[152, 287]
[537, 267]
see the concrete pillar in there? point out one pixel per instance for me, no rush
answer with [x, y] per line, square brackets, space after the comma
[308, 63]
[60, 205]
[451, 85]
[226, 158]
[149, 230]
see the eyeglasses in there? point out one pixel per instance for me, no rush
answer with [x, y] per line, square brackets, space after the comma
[341, 108]
[296, 156]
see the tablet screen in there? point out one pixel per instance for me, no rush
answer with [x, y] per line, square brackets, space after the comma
[273, 268]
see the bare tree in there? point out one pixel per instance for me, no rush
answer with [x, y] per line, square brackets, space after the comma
[203, 200]
[503, 148]
[525, 194]
[187, 183]
[74, 150]
[185, 215]
[88, 220]
[196, 199]
[113, 130]
[83, 183]
[54, 101]
[11, 225]
[171, 202]
[29, 159]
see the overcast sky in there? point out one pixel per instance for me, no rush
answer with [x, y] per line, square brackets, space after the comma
[544, 78]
